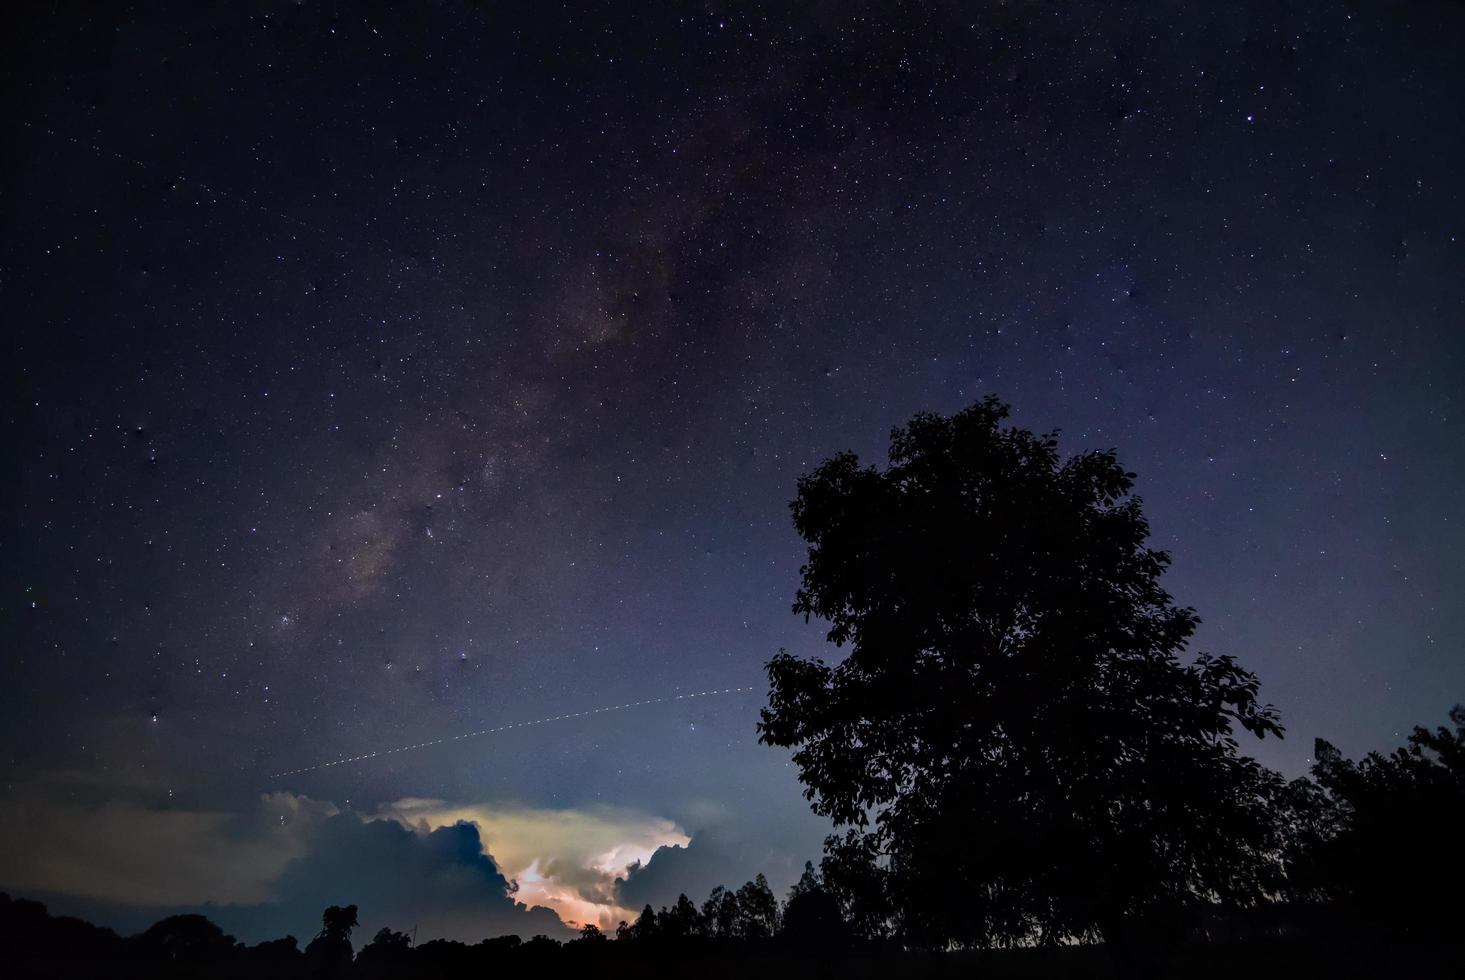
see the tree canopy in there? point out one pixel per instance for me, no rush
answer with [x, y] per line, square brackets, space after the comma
[1013, 744]
[1380, 838]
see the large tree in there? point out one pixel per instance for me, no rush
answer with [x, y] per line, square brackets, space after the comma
[1015, 745]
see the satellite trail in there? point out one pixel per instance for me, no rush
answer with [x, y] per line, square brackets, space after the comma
[505, 728]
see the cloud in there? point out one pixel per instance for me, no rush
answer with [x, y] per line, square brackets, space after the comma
[129, 854]
[722, 855]
[566, 859]
[456, 871]
[440, 882]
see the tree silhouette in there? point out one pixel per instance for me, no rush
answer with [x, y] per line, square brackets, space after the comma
[809, 880]
[337, 922]
[1381, 837]
[681, 920]
[385, 938]
[385, 954]
[442, 958]
[500, 945]
[330, 951]
[30, 934]
[1013, 742]
[853, 875]
[647, 928]
[539, 950]
[1308, 819]
[720, 914]
[187, 939]
[811, 915]
[757, 910]
[274, 956]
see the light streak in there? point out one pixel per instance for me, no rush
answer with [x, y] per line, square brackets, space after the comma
[508, 728]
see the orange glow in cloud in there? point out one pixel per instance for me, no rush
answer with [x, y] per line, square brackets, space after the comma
[566, 860]
[573, 908]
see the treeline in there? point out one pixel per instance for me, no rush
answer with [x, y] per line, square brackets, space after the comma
[1367, 868]
[729, 925]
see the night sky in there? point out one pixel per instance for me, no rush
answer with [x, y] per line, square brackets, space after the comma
[379, 375]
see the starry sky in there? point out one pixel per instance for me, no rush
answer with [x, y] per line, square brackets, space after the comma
[379, 374]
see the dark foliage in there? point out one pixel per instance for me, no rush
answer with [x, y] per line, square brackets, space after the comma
[187, 940]
[811, 915]
[1379, 840]
[386, 954]
[720, 914]
[330, 953]
[29, 934]
[757, 911]
[1014, 744]
[34, 944]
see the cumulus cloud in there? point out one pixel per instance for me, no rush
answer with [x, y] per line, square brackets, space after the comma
[565, 859]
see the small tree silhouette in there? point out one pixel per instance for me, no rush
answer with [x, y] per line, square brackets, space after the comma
[338, 921]
[330, 951]
[385, 954]
[757, 910]
[680, 921]
[385, 938]
[647, 928]
[720, 914]
[809, 880]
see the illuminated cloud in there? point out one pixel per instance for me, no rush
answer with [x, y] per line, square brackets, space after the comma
[567, 859]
